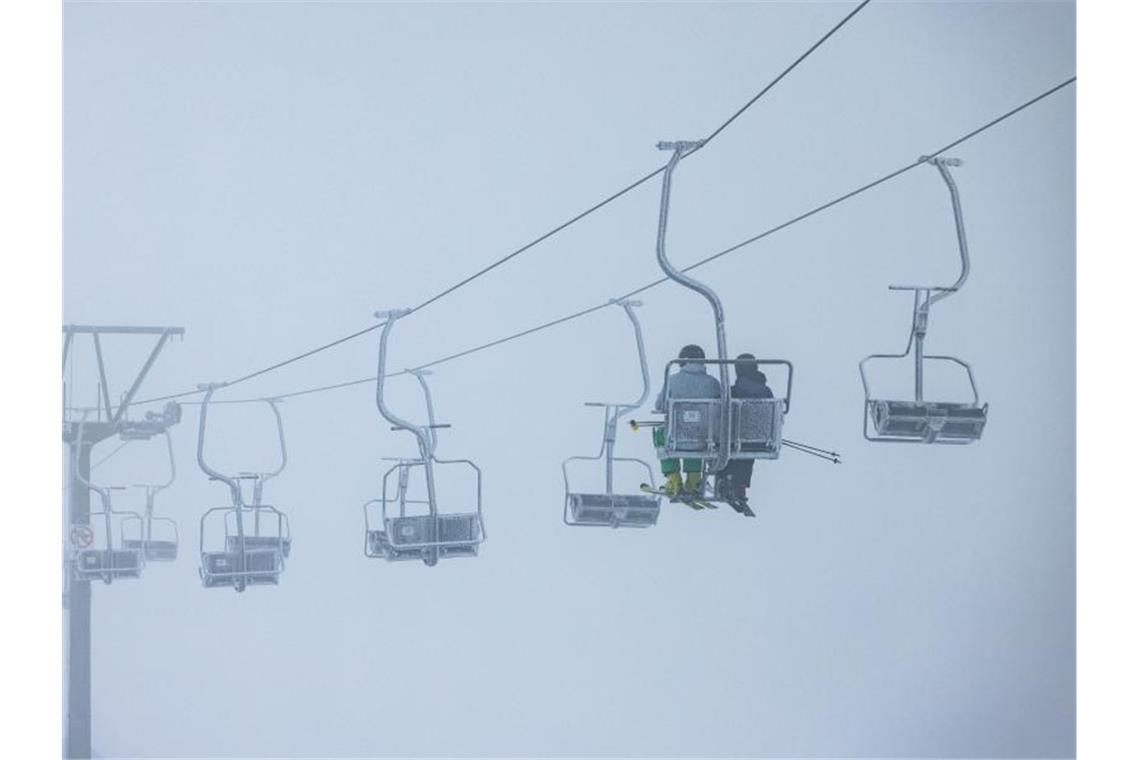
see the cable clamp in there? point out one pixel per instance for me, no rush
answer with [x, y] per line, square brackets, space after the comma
[680, 146]
[936, 160]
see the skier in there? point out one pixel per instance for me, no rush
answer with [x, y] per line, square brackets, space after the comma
[735, 479]
[691, 381]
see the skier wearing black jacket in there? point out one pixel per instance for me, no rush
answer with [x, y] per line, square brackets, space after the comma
[736, 477]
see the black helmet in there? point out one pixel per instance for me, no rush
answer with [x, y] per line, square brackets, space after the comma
[747, 366]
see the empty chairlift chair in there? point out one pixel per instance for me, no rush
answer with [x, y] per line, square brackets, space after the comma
[714, 430]
[430, 535]
[610, 509]
[155, 537]
[919, 420]
[254, 537]
[108, 562]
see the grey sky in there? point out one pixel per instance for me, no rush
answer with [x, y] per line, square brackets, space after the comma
[268, 175]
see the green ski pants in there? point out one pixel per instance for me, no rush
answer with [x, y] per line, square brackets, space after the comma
[672, 464]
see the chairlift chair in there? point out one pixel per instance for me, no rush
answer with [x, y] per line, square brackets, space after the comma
[919, 420]
[693, 427]
[720, 429]
[394, 534]
[242, 558]
[609, 509]
[157, 537]
[106, 563]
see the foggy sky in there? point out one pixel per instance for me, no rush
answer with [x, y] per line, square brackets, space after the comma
[268, 175]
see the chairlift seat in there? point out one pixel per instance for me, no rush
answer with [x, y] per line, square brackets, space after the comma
[101, 563]
[137, 433]
[416, 536]
[928, 421]
[616, 510]
[262, 566]
[254, 543]
[693, 428]
[154, 550]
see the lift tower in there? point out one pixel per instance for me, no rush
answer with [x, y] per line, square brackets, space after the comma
[81, 436]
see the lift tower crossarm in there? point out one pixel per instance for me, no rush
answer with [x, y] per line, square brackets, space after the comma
[164, 333]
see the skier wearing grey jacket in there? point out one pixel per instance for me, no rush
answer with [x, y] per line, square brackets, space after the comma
[691, 381]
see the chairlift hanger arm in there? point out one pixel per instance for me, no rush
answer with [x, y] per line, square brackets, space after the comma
[264, 476]
[170, 457]
[234, 485]
[628, 306]
[943, 165]
[419, 375]
[103, 491]
[621, 409]
[76, 444]
[382, 360]
[422, 436]
[153, 488]
[680, 150]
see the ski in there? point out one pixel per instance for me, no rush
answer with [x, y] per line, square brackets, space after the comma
[683, 498]
[741, 507]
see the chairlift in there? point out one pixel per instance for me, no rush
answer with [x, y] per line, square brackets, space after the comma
[610, 509]
[919, 420]
[106, 563]
[157, 537]
[714, 430]
[429, 537]
[243, 558]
